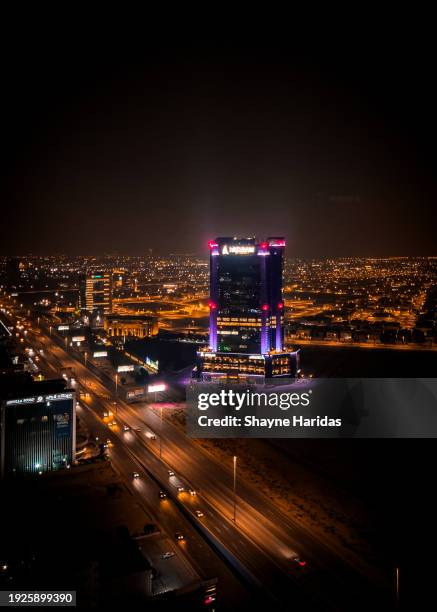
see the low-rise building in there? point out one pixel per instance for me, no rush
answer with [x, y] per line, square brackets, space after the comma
[137, 326]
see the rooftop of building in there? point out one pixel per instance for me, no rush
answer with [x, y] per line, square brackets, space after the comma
[129, 317]
[22, 385]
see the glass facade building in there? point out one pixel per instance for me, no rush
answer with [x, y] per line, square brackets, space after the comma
[38, 433]
[246, 311]
[96, 293]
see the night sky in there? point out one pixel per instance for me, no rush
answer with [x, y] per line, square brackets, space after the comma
[121, 145]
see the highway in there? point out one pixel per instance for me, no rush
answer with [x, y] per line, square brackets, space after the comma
[199, 555]
[262, 544]
[275, 585]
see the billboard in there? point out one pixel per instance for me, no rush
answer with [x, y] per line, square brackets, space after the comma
[62, 424]
[125, 368]
[156, 388]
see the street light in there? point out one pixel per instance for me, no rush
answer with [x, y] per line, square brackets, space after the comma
[156, 388]
[235, 489]
[50, 330]
[116, 385]
[85, 355]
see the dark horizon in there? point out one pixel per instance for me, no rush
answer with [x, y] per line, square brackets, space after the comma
[164, 147]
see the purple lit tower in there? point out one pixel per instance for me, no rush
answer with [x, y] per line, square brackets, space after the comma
[246, 332]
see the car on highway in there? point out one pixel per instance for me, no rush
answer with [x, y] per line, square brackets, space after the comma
[181, 489]
[299, 562]
[109, 443]
[112, 423]
[199, 513]
[170, 473]
[162, 494]
[135, 475]
[192, 492]
[152, 437]
[179, 536]
[168, 555]
[126, 428]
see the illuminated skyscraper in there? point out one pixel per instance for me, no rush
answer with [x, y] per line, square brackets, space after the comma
[97, 297]
[246, 311]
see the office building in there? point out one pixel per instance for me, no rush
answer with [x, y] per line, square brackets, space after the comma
[96, 295]
[246, 311]
[38, 427]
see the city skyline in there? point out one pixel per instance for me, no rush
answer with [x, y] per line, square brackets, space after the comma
[128, 370]
[365, 302]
